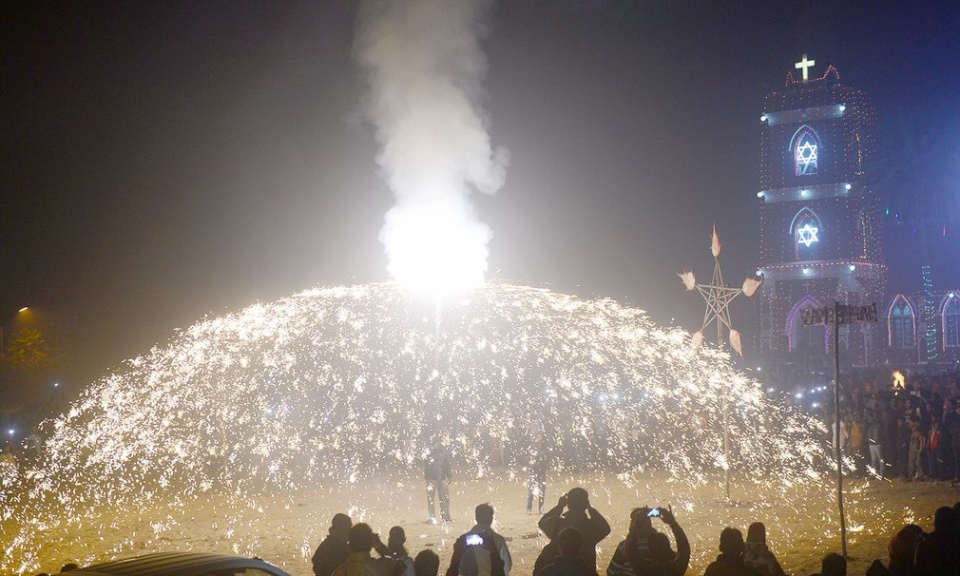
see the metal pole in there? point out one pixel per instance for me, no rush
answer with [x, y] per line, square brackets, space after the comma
[836, 388]
[726, 422]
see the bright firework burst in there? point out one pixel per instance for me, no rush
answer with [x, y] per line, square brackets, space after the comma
[342, 383]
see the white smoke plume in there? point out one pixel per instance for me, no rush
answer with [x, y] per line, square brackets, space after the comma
[424, 66]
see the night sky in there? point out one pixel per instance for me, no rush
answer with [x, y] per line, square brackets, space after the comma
[163, 161]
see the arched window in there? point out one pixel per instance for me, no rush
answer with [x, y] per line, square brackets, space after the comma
[805, 146]
[805, 338]
[951, 320]
[806, 229]
[901, 324]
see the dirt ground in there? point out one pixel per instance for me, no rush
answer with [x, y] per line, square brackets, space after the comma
[802, 521]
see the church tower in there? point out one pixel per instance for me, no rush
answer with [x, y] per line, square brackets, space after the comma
[820, 221]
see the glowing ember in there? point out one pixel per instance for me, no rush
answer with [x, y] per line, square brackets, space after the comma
[343, 383]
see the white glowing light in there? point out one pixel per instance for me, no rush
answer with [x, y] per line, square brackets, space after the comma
[804, 65]
[807, 235]
[435, 250]
[806, 157]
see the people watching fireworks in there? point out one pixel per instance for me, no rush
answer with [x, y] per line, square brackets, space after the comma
[334, 550]
[951, 425]
[757, 555]
[875, 441]
[832, 565]
[647, 552]
[396, 551]
[427, 563]
[360, 563]
[472, 548]
[900, 431]
[730, 560]
[939, 551]
[579, 514]
[568, 562]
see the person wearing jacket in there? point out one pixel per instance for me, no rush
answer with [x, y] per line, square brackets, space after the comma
[647, 552]
[334, 550]
[592, 525]
[757, 555]
[360, 562]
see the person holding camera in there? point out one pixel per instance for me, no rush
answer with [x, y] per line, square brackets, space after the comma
[646, 551]
[592, 525]
[481, 551]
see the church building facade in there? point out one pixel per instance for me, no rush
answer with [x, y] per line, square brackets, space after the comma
[822, 236]
[820, 220]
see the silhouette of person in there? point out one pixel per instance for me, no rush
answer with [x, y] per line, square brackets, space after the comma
[396, 551]
[647, 552]
[437, 472]
[539, 462]
[579, 514]
[833, 564]
[939, 551]
[568, 562]
[334, 550]
[360, 563]
[730, 560]
[903, 549]
[481, 551]
[757, 555]
[427, 563]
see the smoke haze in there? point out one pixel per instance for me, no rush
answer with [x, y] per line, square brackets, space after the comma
[424, 67]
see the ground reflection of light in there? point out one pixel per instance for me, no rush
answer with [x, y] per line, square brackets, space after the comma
[341, 383]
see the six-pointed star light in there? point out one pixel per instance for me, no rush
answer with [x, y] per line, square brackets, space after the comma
[807, 235]
[807, 152]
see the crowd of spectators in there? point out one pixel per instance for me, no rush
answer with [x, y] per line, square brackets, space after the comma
[574, 529]
[903, 426]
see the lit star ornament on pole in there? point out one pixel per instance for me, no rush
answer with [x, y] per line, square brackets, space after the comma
[718, 298]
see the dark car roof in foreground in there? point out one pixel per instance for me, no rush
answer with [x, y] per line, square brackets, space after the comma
[179, 563]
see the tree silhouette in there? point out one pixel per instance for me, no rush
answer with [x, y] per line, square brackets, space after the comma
[29, 350]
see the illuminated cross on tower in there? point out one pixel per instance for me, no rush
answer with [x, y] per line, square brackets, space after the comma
[718, 297]
[804, 64]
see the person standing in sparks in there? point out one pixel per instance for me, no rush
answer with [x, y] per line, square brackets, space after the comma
[437, 472]
[537, 485]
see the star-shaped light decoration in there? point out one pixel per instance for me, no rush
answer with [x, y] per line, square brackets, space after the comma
[807, 235]
[718, 297]
[806, 156]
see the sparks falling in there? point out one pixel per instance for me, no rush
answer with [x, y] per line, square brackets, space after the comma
[344, 383]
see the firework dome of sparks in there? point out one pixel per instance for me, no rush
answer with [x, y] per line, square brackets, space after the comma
[338, 384]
